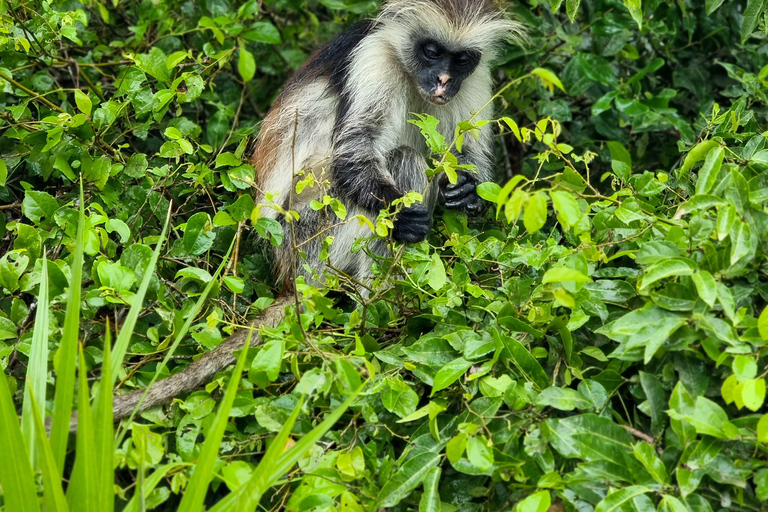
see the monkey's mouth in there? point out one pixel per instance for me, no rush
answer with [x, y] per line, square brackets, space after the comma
[438, 100]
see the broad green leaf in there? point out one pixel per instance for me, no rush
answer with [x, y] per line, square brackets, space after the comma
[710, 171]
[645, 453]
[636, 11]
[436, 272]
[762, 429]
[564, 399]
[535, 213]
[706, 286]
[752, 14]
[616, 501]
[549, 78]
[560, 274]
[198, 235]
[744, 367]
[268, 359]
[449, 374]
[696, 154]
[246, 64]
[568, 212]
[712, 5]
[406, 479]
[524, 361]
[479, 454]
[672, 504]
[537, 502]
[430, 499]
[571, 8]
[672, 267]
[83, 102]
[753, 394]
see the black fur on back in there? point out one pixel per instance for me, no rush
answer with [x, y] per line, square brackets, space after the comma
[332, 60]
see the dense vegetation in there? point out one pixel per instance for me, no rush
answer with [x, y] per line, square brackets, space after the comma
[596, 342]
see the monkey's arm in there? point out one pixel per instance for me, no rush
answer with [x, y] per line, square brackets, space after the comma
[372, 180]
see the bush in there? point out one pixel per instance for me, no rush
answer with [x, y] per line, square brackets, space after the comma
[596, 342]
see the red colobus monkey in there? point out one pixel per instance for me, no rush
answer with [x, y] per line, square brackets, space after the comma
[346, 112]
[344, 117]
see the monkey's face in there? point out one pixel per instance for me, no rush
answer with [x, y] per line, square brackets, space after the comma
[439, 70]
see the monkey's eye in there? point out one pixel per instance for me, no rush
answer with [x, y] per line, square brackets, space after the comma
[431, 51]
[463, 59]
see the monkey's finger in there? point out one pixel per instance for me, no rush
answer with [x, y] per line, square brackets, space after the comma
[465, 190]
[460, 180]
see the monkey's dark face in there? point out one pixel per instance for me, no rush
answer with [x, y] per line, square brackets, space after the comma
[439, 70]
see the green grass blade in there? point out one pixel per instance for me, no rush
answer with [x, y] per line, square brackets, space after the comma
[104, 434]
[37, 371]
[81, 486]
[65, 372]
[124, 338]
[54, 498]
[16, 477]
[274, 465]
[151, 482]
[201, 477]
[192, 316]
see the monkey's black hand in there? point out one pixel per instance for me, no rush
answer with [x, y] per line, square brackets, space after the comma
[461, 195]
[412, 224]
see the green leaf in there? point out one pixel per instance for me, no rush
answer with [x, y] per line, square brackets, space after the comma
[744, 367]
[524, 361]
[478, 453]
[246, 64]
[16, 476]
[645, 453]
[753, 394]
[193, 498]
[262, 32]
[636, 11]
[67, 354]
[762, 429]
[430, 499]
[406, 479]
[83, 102]
[37, 371]
[198, 235]
[762, 324]
[697, 153]
[537, 502]
[571, 8]
[706, 286]
[38, 206]
[561, 274]
[672, 504]
[616, 501]
[549, 78]
[3, 173]
[672, 267]
[710, 171]
[449, 374]
[535, 214]
[269, 359]
[489, 191]
[712, 5]
[564, 399]
[752, 13]
[436, 272]
[568, 212]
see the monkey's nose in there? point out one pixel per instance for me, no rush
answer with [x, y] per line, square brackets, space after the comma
[444, 79]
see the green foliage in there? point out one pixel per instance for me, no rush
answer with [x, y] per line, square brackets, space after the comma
[597, 342]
